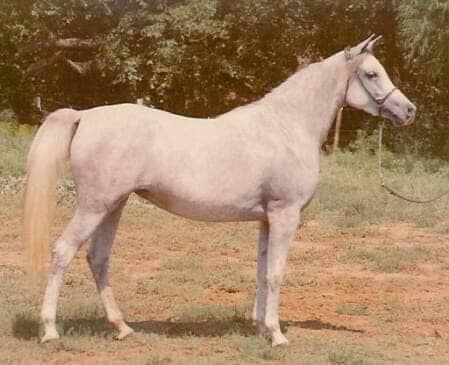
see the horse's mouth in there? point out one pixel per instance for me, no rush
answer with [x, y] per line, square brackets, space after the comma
[409, 120]
[398, 121]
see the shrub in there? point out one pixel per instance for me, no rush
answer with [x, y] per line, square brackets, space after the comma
[15, 140]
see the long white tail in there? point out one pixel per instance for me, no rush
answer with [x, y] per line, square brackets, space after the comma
[48, 152]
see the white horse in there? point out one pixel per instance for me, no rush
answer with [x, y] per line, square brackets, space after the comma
[256, 162]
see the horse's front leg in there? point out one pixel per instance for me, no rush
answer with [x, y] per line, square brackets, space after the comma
[283, 222]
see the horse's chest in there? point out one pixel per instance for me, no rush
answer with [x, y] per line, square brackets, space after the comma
[295, 185]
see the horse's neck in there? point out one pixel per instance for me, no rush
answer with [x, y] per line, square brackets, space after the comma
[308, 101]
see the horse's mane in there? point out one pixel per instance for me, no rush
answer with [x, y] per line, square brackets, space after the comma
[301, 66]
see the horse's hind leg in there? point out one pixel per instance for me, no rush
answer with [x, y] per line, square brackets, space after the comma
[98, 259]
[80, 228]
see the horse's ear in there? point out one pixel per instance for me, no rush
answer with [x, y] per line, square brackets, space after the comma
[362, 46]
[370, 46]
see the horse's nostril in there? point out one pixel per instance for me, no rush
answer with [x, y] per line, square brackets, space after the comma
[411, 110]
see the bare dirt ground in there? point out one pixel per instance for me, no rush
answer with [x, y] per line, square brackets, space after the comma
[371, 294]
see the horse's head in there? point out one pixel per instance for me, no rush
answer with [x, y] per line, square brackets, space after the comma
[369, 87]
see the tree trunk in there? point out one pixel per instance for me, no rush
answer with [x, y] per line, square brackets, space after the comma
[337, 129]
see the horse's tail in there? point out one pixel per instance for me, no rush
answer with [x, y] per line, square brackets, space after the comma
[48, 152]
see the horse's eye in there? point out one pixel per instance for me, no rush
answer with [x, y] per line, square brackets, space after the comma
[371, 75]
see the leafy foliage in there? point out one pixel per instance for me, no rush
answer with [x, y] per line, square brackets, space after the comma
[201, 57]
[424, 31]
[424, 35]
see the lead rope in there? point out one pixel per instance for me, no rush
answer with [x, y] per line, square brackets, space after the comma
[390, 190]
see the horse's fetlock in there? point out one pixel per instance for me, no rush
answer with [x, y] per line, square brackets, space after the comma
[116, 322]
[46, 319]
[271, 325]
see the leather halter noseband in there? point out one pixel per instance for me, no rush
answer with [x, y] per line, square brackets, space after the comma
[379, 100]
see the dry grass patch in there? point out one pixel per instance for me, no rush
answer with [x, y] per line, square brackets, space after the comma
[353, 309]
[385, 259]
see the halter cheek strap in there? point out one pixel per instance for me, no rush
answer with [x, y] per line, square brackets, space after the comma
[380, 101]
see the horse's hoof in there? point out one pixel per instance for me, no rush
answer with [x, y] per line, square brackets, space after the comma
[50, 337]
[124, 332]
[279, 340]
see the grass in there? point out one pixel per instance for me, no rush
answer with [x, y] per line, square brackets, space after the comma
[350, 195]
[346, 357]
[294, 279]
[385, 259]
[215, 312]
[353, 309]
[14, 143]
[183, 263]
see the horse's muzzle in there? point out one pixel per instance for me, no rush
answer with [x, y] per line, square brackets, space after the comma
[402, 116]
[410, 114]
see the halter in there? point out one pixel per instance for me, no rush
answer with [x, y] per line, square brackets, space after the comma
[380, 101]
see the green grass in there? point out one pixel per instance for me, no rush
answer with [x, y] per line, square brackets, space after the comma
[14, 143]
[184, 263]
[345, 356]
[213, 312]
[295, 279]
[349, 193]
[385, 259]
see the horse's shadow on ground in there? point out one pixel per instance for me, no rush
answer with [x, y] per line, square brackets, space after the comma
[28, 328]
[213, 328]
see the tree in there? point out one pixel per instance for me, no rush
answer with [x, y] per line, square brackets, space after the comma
[198, 57]
[15, 28]
[424, 34]
[204, 57]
